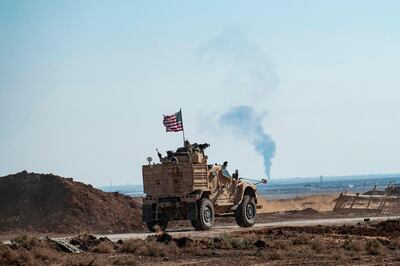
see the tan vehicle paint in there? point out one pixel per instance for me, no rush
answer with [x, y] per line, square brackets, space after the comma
[180, 185]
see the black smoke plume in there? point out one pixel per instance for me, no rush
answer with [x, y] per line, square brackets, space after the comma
[246, 123]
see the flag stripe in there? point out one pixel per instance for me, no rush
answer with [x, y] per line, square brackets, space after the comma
[173, 123]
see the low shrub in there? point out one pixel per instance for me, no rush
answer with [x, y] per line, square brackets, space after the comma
[104, 247]
[157, 249]
[274, 255]
[352, 245]
[373, 247]
[301, 240]
[317, 244]
[133, 246]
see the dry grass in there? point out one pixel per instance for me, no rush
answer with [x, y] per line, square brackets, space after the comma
[104, 247]
[374, 247]
[27, 250]
[226, 241]
[126, 261]
[301, 240]
[157, 249]
[281, 244]
[395, 242]
[20, 240]
[317, 245]
[353, 245]
[19, 257]
[87, 260]
[150, 247]
[134, 246]
[274, 255]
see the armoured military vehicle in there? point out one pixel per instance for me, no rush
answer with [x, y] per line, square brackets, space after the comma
[183, 186]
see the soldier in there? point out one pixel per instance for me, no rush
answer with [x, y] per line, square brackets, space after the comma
[235, 175]
[188, 147]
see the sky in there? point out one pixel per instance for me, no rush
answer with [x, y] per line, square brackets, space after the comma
[84, 85]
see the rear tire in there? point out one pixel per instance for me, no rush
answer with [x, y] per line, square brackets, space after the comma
[206, 215]
[151, 226]
[245, 213]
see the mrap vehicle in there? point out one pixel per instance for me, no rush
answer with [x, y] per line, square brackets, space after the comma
[184, 187]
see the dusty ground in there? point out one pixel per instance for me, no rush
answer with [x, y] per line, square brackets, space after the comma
[363, 244]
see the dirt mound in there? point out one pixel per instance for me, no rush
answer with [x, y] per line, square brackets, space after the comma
[50, 203]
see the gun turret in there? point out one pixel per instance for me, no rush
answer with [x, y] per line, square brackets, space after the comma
[204, 146]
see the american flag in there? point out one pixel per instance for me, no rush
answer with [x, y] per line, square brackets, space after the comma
[173, 123]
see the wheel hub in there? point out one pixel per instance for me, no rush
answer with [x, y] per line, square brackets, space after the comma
[207, 215]
[249, 211]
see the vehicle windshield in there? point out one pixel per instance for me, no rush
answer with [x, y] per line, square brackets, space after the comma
[226, 173]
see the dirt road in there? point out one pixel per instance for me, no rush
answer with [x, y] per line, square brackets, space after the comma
[219, 230]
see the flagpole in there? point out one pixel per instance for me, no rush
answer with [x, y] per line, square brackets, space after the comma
[183, 127]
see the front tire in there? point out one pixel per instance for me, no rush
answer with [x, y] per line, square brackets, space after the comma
[245, 213]
[206, 215]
